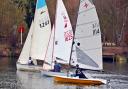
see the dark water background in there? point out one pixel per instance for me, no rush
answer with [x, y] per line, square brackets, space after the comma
[10, 78]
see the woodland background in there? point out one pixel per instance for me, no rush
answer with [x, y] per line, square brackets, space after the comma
[113, 16]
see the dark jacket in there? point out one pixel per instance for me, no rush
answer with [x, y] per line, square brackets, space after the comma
[80, 73]
[57, 67]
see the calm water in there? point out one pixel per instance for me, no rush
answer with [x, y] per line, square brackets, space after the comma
[117, 73]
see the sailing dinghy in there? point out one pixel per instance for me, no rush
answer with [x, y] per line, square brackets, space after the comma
[49, 60]
[87, 48]
[22, 63]
[37, 40]
[63, 38]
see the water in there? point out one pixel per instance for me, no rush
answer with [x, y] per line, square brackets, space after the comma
[116, 73]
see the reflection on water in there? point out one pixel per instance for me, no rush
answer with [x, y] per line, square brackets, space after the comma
[116, 68]
[11, 79]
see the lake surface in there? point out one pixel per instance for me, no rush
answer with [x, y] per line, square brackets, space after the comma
[116, 73]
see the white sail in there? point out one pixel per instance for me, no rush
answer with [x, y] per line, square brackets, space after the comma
[63, 34]
[73, 60]
[25, 53]
[42, 30]
[88, 35]
[49, 60]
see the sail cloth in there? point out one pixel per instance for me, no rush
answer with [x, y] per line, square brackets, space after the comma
[49, 59]
[42, 30]
[88, 37]
[63, 34]
[25, 53]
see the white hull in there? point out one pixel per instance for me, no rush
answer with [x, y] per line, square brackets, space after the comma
[25, 67]
[52, 74]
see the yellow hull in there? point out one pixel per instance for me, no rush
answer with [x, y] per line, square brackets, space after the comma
[72, 80]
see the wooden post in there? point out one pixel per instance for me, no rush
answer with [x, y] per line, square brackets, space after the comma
[21, 38]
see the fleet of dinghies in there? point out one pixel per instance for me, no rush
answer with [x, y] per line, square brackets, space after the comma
[59, 43]
[87, 46]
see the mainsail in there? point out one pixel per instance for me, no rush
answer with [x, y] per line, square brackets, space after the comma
[25, 53]
[42, 30]
[63, 34]
[88, 37]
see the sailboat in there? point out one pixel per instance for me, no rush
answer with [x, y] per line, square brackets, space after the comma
[87, 47]
[61, 39]
[49, 60]
[37, 40]
[87, 42]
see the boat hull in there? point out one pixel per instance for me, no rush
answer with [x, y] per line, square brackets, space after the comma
[76, 80]
[25, 67]
[52, 74]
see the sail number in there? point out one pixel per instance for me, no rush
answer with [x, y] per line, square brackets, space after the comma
[96, 29]
[44, 24]
[68, 35]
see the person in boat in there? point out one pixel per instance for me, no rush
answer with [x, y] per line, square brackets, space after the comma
[57, 67]
[30, 62]
[79, 72]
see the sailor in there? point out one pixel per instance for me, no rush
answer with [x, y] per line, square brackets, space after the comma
[79, 72]
[30, 62]
[57, 67]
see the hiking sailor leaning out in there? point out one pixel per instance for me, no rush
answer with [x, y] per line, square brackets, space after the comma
[79, 72]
